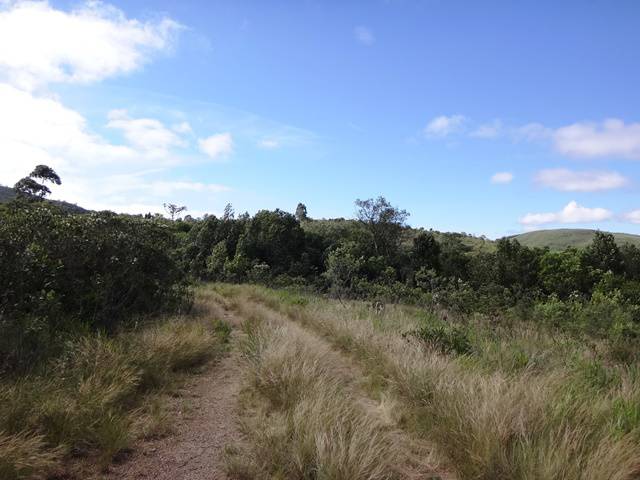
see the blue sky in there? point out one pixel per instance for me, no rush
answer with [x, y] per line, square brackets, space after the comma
[489, 117]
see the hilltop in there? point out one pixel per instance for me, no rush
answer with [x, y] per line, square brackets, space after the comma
[562, 238]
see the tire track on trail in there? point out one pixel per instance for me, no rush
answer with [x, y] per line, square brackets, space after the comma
[423, 463]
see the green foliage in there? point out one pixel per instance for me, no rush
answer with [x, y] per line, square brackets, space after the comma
[384, 223]
[595, 290]
[448, 338]
[216, 261]
[342, 269]
[62, 272]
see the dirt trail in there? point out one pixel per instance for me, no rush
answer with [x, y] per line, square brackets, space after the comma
[205, 422]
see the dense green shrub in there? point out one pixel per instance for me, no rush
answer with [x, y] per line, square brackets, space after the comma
[448, 338]
[61, 272]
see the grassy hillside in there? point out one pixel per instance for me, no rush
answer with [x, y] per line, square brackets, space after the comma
[7, 194]
[568, 237]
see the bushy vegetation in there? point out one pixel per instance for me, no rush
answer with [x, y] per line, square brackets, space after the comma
[63, 274]
[595, 290]
[86, 345]
[515, 402]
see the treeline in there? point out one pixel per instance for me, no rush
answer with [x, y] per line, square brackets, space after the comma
[62, 272]
[351, 257]
[377, 256]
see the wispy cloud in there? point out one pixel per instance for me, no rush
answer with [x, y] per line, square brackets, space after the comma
[502, 177]
[611, 138]
[443, 125]
[488, 130]
[147, 134]
[217, 146]
[571, 213]
[632, 216]
[364, 35]
[269, 143]
[567, 180]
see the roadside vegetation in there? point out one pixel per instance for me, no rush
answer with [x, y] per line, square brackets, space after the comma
[305, 414]
[500, 400]
[96, 322]
[100, 393]
[517, 363]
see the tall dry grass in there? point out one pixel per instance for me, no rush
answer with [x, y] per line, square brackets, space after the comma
[100, 395]
[307, 423]
[562, 415]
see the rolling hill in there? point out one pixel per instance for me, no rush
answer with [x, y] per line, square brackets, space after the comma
[562, 238]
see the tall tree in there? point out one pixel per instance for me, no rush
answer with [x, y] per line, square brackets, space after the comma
[603, 254]
[383, 221]
[301, 212]
[173, 209]
[31, 189]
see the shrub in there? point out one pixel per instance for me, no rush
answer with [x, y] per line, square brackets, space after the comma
[445, 337]
[61, 273]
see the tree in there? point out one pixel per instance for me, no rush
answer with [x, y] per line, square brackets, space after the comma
[383, 221]
[426, 251]
[603, 254]
[46, 174]
[342, 267]
[30, 189]
[453, 260]
[173, 209]
[301, 212]
[229, 213]
[516, 265]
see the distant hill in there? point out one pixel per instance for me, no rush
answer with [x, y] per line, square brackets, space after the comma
[562, 238]
[7, 194]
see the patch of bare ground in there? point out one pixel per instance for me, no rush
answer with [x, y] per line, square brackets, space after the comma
[204, 421]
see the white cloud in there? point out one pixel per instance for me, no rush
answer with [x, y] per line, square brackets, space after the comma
[586, 181]
[611, 138]
[147, 134]
[132, 192]
[502, 177]
[37, 130]
[632, 216]
[571, 213]
[364, 35]
[40, 44]
[442, 126]
[269, 143]
[95, 173]
[217, 146]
